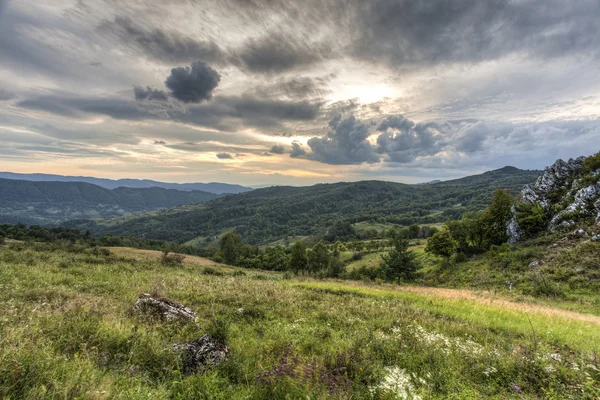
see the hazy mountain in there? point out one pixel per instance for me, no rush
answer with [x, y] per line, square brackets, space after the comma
[264, 215]
[212, 187]
[53, 202]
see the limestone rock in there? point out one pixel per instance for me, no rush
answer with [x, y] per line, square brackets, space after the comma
[202, 353]
[163, 308]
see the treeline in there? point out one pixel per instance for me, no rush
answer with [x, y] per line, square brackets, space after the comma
[35, 233]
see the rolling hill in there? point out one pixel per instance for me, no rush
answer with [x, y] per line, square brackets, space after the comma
[212, 187]
[31, 202]
[266, 215]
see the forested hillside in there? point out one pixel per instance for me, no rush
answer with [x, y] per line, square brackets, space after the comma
[53, 202]
[269, 214]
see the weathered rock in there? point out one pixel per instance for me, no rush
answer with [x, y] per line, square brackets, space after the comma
[202, 353]
[579, 233]
[596, 238]
[561, 179]
[163, 308]
[534, 264]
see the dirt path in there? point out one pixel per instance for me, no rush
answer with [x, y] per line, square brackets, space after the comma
[459, 294]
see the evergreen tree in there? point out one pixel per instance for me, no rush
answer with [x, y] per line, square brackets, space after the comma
[399, 264]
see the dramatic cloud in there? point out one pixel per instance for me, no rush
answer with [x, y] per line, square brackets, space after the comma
[297, 150]
[193, 85]
[277, 149]
[404, 32]
[278, 52]
[171, 47]
[403, 141]
[149, 94]
[345, 143]
[224, 156]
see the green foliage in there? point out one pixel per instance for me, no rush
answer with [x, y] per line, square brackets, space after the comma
[266, 215]
[531, 218]
[231, 244]
[442, 244]
[399, 264]
[318, 259]
[298, 260]
[591, 164]
[497, 215]
[56, 202]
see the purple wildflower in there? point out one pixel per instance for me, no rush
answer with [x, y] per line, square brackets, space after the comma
[517, 388]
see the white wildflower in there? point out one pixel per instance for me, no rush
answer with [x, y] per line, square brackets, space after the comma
[398, 382]
[490, 371]
[549, 369]
[555, 357]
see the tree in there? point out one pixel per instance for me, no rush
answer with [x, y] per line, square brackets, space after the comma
[497, 216]
[399, 264]
[336, 266]
[231, 243]
[298, 259]
[442, 244]
[318, 258]
[414, 231]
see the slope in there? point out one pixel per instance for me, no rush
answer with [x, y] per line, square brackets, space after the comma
[53, 202]
[266, 215]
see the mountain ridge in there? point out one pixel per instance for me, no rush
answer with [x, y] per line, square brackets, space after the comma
[33, 202]
[211, 187]
[274, 213]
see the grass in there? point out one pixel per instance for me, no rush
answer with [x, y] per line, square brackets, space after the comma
[67, 331]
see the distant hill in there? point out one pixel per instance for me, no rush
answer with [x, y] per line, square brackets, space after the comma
[269, 214]
[31, 202]
[212, 187]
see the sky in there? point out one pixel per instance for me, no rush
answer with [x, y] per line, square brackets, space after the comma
[260, 92]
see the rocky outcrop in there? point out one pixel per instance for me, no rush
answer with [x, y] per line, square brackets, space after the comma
[562, 194]
[202, 353]
[163, 308]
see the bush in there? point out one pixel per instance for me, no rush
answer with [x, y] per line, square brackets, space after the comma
[531, 218]
[212, 271]
[172, 258]
[358, 255]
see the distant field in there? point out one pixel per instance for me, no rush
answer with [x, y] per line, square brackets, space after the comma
[67, 331]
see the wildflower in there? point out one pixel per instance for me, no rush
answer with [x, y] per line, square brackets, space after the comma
[489, 371]
[398, 382]
[517, 388]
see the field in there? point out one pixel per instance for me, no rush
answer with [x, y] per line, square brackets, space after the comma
[67, 330]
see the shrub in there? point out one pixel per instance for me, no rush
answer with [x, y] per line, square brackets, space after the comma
[591, 164]
[212, 271]
[172, 258]
[531, 218]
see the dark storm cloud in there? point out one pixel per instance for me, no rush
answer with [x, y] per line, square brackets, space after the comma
[224, 156]
[277, 52]
[297, 150]
[223, 112]
[193, 85]
[149, 94]
[166, 46]
[345, 143]
[406, 32]
[277, 149]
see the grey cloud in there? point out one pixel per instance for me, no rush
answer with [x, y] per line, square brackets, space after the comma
[277, 149]
[160, 142]
[345, 143]
[403, 141]
[193, 85]
[149, 94]
[224, 156]
[167, 46]
[404, 32]
[471, 138]
[299, 87]
[6, 95]
[277, 52]
[297, 150]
